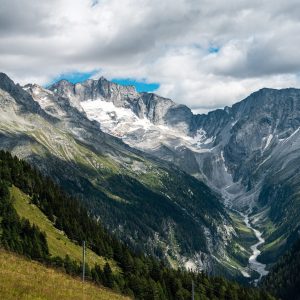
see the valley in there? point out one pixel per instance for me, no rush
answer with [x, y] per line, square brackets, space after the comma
[129, 190]
[149, 150]
[90, 136]
[26, 193]
[255, 265]
[211, 148]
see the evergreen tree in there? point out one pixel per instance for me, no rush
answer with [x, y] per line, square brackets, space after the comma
[108, 276]
[140, 276]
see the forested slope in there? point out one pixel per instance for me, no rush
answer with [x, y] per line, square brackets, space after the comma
[284, 278]
[140, 277]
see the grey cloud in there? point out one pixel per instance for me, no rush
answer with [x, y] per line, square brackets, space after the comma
[160, 40]
[28, 18]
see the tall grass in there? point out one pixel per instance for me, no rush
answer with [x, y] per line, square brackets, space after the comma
[21, 279]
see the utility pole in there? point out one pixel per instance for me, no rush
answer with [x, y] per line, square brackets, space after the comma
[83, 261]
[193, 290]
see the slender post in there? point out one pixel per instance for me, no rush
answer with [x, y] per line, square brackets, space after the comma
[193, 290]
[83, 261]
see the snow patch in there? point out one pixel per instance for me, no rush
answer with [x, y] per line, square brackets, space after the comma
[286, 139]
[115, 120]
[223, 159]
[293, 133]
[269, 139]
[201, 138]
[140, 132]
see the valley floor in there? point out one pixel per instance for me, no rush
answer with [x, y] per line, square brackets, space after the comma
[24, 279]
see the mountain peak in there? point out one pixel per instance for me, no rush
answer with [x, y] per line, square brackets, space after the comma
[63, 87]
[63, 82]
[102, 78]
[6, 83]
[19, 94]
[3, 76]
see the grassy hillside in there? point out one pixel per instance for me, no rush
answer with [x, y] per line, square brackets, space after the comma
[140, 276]
[24, 279]
[59, 244]
[143, 201]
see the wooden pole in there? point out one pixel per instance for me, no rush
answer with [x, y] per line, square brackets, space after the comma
[193, 290]
[83, 261]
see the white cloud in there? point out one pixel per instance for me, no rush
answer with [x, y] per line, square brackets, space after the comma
[161, 41]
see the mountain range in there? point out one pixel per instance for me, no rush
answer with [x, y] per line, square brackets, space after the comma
[248, 153]
[197, 190]
[149, 203]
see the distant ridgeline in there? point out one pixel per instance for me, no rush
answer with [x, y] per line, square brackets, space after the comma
[140, 277]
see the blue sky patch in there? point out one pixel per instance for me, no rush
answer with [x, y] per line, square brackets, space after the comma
[213, 49]
[141, 86]
[74, 77]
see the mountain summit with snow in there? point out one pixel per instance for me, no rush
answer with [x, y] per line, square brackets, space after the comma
[149, 203]
[130, 156]
[249, 153]
[149, 106]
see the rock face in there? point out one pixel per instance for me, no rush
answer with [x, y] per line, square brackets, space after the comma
[149, 203]
[249, 152]
[159, 110]
[20, 96]
[252, 128]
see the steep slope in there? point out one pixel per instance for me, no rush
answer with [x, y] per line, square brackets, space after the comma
[150, 204]
[249, 152]
[265, 137]
[58, 242]
[140, 276]
[284, 277]
[21, 278]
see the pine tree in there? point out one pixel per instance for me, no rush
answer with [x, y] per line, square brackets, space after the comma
[108, 276]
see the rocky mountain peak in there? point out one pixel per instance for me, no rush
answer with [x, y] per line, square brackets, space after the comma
[245, 152]
[20, 95]
[63, 87]
[6, 83]
[64, 82]
[95, 89]
[158, 110]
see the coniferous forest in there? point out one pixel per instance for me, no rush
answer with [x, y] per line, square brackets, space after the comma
[141, 277]
[284, 278]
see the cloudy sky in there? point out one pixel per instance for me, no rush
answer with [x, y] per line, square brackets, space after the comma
[205, 54]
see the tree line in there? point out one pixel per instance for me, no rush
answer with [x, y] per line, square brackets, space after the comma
[284, 278]
[141, 276]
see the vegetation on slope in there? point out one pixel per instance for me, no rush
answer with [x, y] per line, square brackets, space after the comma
[130, 191]
[239, 248]
[21, 279]
[140, 277]
[17, 234]
[281, 219]
[284, 278]
[59, 244]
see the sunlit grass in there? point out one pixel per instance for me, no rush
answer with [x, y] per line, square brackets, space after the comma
[59, 244]
[24, 279]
